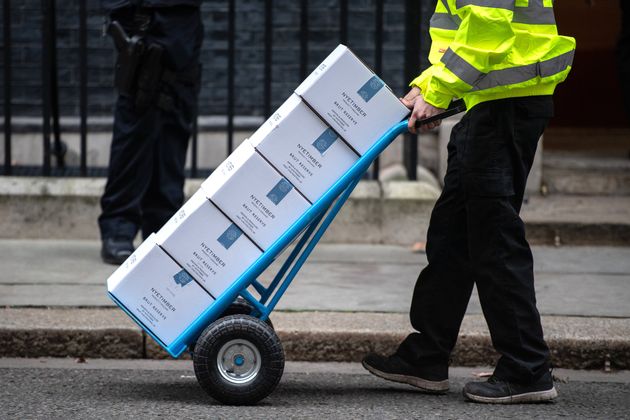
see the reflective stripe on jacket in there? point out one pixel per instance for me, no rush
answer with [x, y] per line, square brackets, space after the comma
[492, 49]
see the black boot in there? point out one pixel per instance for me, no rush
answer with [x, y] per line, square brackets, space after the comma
[429, 379]
[496, 391]
[116, 250]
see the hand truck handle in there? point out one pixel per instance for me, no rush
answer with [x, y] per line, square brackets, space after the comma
[455, 108]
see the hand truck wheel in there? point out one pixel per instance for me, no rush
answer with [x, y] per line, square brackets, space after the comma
[238, 360]
[241, 307]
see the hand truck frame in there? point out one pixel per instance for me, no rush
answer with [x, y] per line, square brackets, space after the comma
[238, 357]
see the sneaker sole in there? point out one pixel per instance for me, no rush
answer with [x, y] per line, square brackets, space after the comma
[528, 397]
[431, 387]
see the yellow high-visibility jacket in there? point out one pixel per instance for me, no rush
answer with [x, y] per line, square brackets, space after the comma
[492, 49]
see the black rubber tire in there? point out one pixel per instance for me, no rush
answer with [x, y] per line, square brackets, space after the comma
[258, 334]
[241, 307]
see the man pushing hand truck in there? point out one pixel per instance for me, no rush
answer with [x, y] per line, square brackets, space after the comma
[504, 58]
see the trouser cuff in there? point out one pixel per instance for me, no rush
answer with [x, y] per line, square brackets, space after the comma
[117, 228]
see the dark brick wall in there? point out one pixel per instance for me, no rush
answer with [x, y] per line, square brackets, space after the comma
[26, 28]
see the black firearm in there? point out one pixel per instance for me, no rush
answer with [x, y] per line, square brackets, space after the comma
[138, 66]
[130, 53]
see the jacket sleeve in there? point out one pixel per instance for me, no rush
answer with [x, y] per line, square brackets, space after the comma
[483, 40]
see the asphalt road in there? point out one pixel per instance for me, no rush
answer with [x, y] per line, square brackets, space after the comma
[62, 388]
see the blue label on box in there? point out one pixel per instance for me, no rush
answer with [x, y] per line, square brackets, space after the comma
[371, 88]
[325, 140]
[230, 236]
[182, 278]
[279, 191]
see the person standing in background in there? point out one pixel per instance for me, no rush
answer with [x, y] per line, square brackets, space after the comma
[158, 79]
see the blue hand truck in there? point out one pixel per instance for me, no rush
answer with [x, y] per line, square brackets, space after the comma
[238, 358]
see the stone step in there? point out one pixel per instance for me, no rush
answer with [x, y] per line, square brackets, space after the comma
[393, 212]
[577, 220]
[586, 174]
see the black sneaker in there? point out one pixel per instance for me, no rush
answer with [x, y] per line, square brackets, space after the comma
[496, 391]
[433, 380]
[116, 250]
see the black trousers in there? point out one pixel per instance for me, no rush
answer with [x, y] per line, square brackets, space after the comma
[148, 152]
[476, 236]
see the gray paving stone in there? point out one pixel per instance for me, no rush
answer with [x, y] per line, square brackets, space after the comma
[579, 281]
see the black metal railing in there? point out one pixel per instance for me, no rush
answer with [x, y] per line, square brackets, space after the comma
[53, 146]
[6, 25]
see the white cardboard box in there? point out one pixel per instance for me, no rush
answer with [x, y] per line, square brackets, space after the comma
[352, 99]
[207, 244]
[160, 293]
[254, 196]
[303, 148]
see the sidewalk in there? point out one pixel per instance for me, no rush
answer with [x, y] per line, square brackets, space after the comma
[347, 300]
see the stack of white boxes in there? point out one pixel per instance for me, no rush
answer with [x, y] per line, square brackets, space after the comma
[256, 194]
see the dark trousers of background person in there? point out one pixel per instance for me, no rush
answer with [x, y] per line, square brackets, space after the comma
[623, 54]
[476, 236]
[148, 152]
